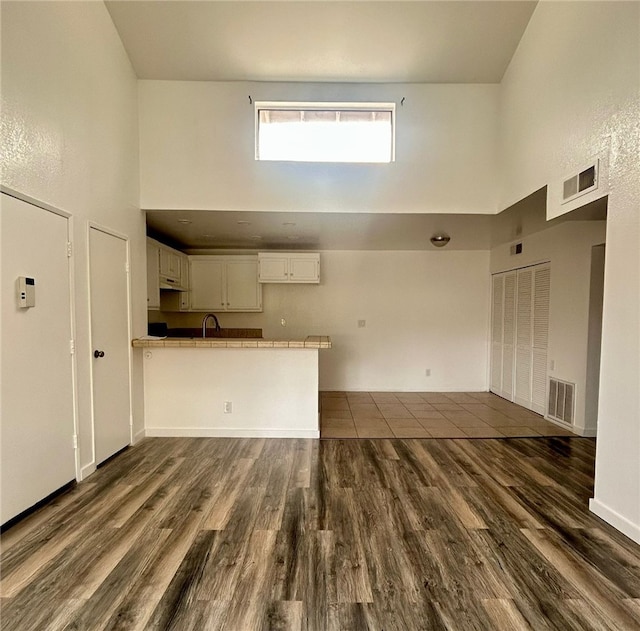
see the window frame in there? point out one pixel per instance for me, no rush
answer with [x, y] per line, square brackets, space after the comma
[300, 106]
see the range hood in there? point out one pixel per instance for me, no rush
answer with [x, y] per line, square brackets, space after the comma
[170, 283]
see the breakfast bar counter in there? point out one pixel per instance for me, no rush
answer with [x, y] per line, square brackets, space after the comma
[311, 341]
[231, 387]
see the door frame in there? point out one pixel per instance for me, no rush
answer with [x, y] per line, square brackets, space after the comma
[92, 225]
[72, 307]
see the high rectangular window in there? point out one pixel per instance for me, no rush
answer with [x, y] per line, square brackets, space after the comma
[325, 132]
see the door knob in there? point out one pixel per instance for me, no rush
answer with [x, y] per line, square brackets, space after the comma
[97, 354]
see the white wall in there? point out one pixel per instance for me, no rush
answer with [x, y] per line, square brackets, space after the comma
[197, 150]
[70, 139]
[563, 97]
[422, 310]
[186, 389]
[571, 92]
[568, 248]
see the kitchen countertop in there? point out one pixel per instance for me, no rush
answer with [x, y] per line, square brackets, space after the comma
[311, 341]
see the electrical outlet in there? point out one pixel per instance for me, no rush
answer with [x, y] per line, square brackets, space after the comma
[362, 324]
[283, 322]
[228, 407]
[427, 372]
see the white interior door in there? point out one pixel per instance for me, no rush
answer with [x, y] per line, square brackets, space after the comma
[110, 343]
[36, 416]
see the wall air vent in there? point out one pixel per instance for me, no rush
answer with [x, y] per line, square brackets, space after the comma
[561, 401]
[580, 184]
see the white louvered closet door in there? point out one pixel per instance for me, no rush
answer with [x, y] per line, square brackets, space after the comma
[508, 334]
[524, 337]
[541, 301]
[520, 335]
[497, 287]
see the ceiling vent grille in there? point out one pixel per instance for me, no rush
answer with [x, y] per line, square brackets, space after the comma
[561, 401]
[581, 183]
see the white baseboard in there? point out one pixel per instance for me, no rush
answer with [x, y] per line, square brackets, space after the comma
[578, 431]
[619, 522]
[86, 471]
[221, 432]
[562, 424]
[139, 436]
[457, 390]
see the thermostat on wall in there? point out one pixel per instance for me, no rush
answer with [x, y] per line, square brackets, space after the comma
[26, 292]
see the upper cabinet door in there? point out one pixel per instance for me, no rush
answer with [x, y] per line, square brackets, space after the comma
[304, 268]
[207, 284]
[244, 293]
[169, 263]
[273, 269]
[184, 272]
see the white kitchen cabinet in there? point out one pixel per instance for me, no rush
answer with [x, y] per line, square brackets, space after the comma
[169, 263]
[153, 275]
[273, 269]
[285, 267]
[224, 283]
[184, 297]
[174, 266]
[178, 300]
[167, 269]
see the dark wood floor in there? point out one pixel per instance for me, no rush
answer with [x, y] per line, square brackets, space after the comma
[243, 535]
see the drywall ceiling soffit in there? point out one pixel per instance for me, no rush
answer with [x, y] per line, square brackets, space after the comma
[231, 230]
[258, 230]
[529, 216]
[363, 41]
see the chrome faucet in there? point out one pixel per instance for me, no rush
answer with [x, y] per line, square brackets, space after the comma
[204, 323]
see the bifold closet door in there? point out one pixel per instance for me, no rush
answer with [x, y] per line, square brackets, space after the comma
[540, 342]
[519, 335]
[532, 337]
[497, 319]
[524, 337]
[502, 333]
[508, 334]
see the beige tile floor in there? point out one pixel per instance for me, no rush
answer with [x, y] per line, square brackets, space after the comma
[428, 415]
